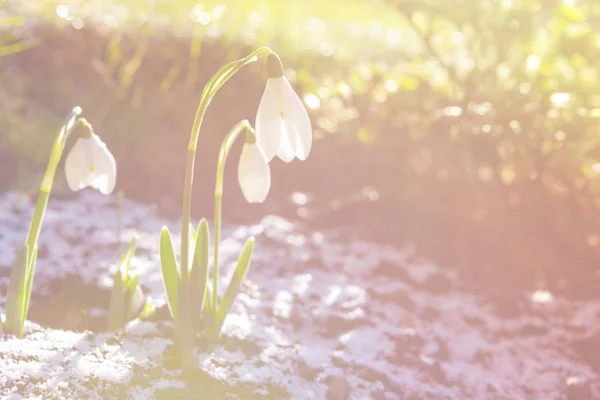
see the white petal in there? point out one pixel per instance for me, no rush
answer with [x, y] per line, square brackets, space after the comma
[269, 122]
[254, 174]
[286, 152]
[90, 163]
[297, 122]
[76, 165]
[104, 167]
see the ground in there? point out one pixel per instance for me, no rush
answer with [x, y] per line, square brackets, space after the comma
[324, 314]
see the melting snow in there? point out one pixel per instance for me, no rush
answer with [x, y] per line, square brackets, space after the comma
[320, 312]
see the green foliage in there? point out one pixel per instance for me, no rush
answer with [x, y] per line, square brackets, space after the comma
[235, 285]
[126, 298]
[19, 291]
[16, 294]
[199, 274]
[115, 314]
[9, 42]
[29, 283]
[168, 263]
[195, 314]
[190, 289]
[21, 279]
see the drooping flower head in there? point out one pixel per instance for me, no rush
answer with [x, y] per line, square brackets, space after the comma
[283, 128]
[90, 163]
[254, 174]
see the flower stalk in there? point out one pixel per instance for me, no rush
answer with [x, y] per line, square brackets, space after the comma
[209, 92]
[21, 278]
[193, 302]
[223, 153]
[58, 148]
[80, 165]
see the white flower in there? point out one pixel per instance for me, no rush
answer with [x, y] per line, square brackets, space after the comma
[90, 163]
[283, 127]
[254, 174]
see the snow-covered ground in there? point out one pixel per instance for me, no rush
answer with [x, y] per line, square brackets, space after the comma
[323, 315]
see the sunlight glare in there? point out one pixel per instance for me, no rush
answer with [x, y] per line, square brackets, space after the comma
[542, 296]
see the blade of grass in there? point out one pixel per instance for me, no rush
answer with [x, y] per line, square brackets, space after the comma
[170, 273]
[127, 256]
[192, 233]
[115, 317]
[15, 295]
[29, 283]
[239, 275]
[199, 276]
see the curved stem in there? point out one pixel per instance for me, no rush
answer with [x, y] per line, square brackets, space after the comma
[210, 90]
[46, 186]
[24, 269]
[223, 153]
[215, 84]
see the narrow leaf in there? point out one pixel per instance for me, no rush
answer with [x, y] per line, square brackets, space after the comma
[132, 285]
[192, 233]
[168, 263]
[15, 295]
[239, 275]
[32, 261]
[199, 276]
[149, 309]
[208, 298]
[127, 253]
[115, 316]
[127, 256]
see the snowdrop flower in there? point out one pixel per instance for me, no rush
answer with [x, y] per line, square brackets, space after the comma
[283, 127]
[90, 163]
[254, 174]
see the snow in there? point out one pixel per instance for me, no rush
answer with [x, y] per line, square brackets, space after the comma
[321, 314]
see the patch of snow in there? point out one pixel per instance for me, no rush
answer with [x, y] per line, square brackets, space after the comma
[320, 312]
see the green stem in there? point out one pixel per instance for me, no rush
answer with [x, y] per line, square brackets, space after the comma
[210, 90]
[38, 216]
[185, 228]
[27, 266]
[46, 186]
[223, 153]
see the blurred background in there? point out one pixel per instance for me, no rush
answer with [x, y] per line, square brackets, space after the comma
[470, 129]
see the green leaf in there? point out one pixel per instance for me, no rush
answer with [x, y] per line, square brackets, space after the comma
[192, 233]
[15, 296]
[134, 300]
[209, 316]
[149, 309]
[168, 263]
[199, 275]
[239, 275]
[132, 285]
[115, 317]
[127, 256]
[29, 283]
[128, 253]
[208, 305]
